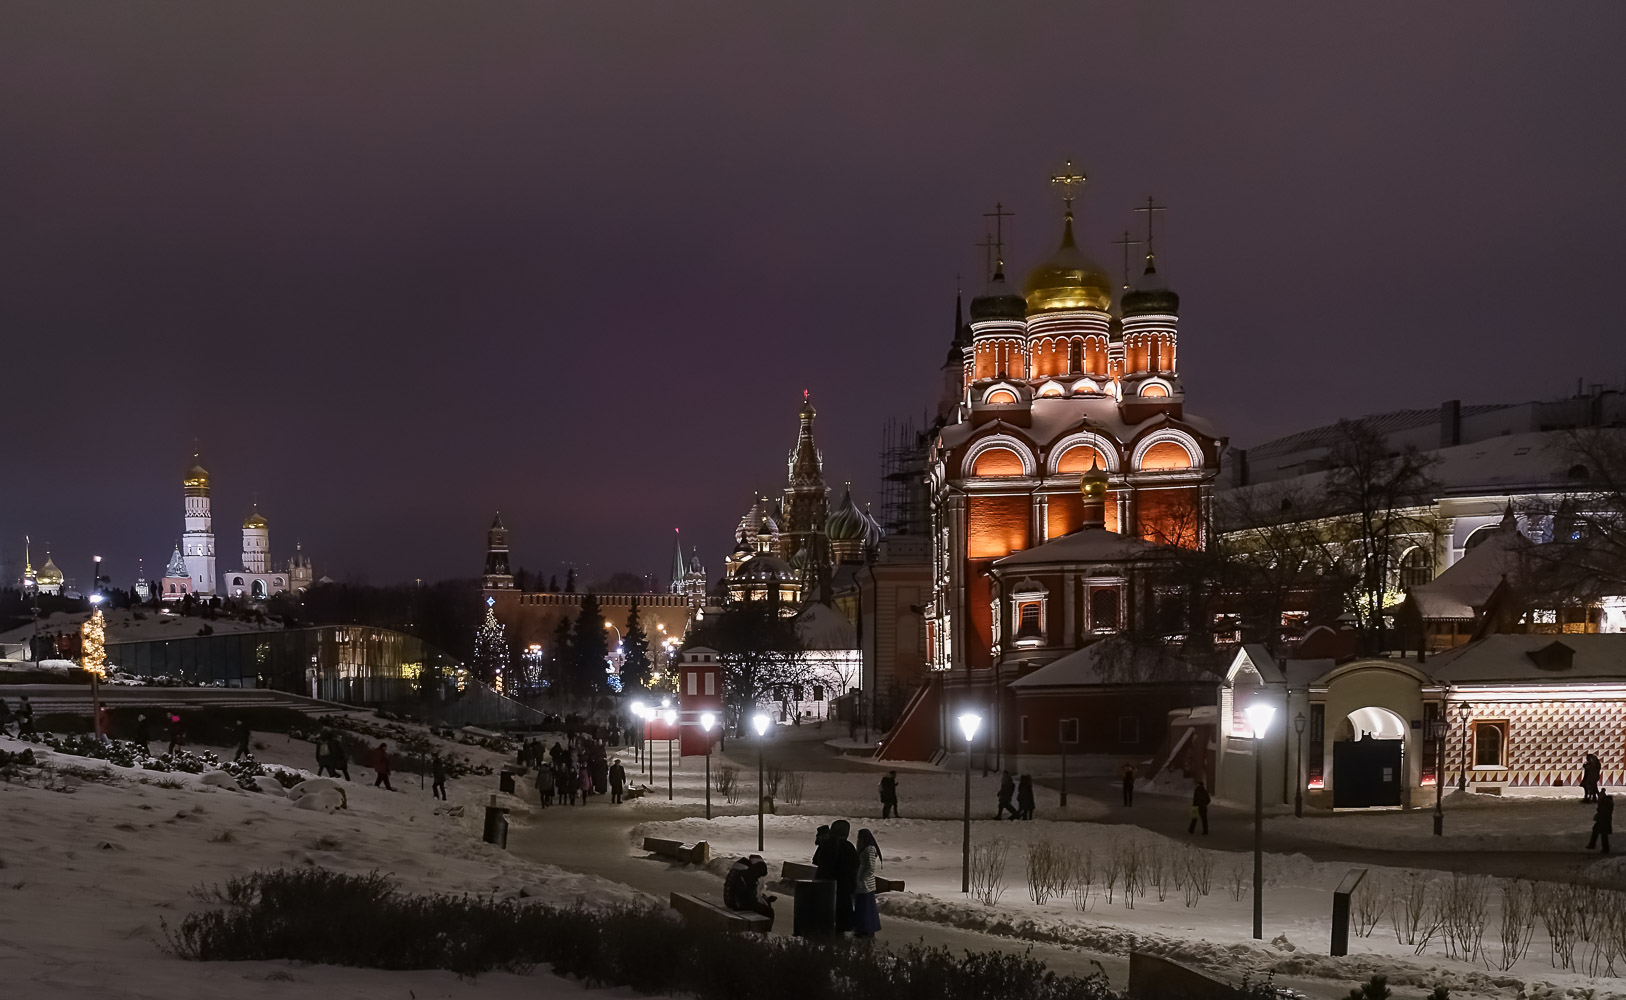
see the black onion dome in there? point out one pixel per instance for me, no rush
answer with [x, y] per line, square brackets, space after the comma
[998, 301]
[1151, 294]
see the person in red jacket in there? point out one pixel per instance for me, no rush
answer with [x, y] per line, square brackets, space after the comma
[381, 764]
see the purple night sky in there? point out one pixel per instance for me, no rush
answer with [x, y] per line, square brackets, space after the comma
[397, 264]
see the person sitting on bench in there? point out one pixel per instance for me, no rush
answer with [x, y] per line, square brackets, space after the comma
[742, 888]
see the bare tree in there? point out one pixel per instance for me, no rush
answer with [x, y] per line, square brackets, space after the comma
[1584, 557]
[758, 650]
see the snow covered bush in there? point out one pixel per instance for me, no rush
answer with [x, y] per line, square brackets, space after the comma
[1049, 869]
[1517, 921]
[988, 870]
[1463, 903]
[725, 781]
[1367, 905]
[1199, 866]
[1083, 879]
[795, 786]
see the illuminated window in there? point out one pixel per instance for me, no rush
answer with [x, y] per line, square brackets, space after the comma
[1068, 730]
[1027, 619]
[1151, 390]
[711, 683]
[1000, 397]
[1050, 391]
[1490, 744]
[1077, 459]
[694, 682]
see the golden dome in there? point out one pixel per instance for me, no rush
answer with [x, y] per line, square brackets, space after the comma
[1093, 483]
[255, 520]
[1068, 280]
[48, 573]
[197, 477]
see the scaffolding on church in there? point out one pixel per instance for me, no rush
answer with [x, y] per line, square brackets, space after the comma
[905, 504]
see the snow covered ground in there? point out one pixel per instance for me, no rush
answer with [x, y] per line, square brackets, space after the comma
[1215, 933]
[1514, 822]
[92, 868]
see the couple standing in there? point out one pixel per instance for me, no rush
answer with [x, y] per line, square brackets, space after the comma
[853, 870]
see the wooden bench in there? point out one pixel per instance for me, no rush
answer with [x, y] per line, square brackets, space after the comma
[705, 913]
[697, 853]
[792, 871]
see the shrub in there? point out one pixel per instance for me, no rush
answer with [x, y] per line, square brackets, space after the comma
[725, 781]
[314, 915]
[988, 870]
[1367, 904]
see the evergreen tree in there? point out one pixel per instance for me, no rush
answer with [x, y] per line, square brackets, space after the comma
[635, 663]
[562, 655]
[590, 649]
[553, 584]
[570, 580]
[491, 649]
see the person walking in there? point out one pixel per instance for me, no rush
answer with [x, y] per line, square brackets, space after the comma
[437, 775]
[143, 735]
[618, 781]
[837, 860]
[544, 784]
[1602, 821]
[338, 757]
[1007, 791]
[243, 735]
[1024, 797]
[25, 716]
[177, 732]
[1129, 784]
[1199, 807]
[1591, 771]
[584, 778]
[742, 888]
[324, 754]
[889, 796]
[866, 915]
[381, 764]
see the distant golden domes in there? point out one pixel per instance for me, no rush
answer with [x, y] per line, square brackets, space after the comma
[197, 477]
[255, 520]
[1068, 280]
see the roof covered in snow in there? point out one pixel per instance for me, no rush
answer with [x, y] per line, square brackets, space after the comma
[1462, 590]
[1533, 659]
[1115, 660]
[1087, 545]
[821, 627]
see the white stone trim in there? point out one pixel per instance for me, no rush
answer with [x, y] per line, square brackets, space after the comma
[1010, 387]
[1167, 435]
[1168, 389]
[1006, 441]
[1107, 448]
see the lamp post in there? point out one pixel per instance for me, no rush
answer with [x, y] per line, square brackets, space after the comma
[638, 710]
[1259, 715]
[1298, 759]
[707, 720]
[1438, 729]
[670, 718]
[759, 722]
[969, 721]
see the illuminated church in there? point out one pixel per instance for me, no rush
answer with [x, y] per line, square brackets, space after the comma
[1064, 439]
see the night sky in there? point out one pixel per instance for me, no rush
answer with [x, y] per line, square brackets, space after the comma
[396, 265]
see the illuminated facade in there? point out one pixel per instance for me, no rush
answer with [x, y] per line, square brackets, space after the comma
[256, 581]
[1054, 380]
[198, 543]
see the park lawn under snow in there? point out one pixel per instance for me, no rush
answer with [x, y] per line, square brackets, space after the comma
[1215, 934]
[1540, 822]
[92, 871]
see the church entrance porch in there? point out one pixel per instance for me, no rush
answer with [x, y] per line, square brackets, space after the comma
[1369, 773]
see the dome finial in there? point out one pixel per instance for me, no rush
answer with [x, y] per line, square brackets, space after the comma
[1067, 180]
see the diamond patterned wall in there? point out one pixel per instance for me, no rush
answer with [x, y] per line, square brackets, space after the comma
[1546, 741]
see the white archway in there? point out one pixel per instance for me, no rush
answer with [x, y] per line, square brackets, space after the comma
[1380, 723]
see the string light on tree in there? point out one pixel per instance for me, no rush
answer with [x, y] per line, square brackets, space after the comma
[491, 648]
[93, 634]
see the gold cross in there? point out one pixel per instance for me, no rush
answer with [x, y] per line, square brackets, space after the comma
[1126, 243]
[1068, 179]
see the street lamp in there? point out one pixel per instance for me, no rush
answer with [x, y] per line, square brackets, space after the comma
[1298, 759]
[969, 721]
[1259, 715]
[1438, 729]
[1462, 781]
[707, 720]
[759, 722]
[670, 718]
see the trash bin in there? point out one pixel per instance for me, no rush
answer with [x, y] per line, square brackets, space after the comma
[496, 831]
[814, 914]
[505, 782]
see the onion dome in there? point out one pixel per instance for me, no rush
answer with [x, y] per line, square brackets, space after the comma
[1068, 280]
[1093, 483]
[1151, 294]
[48, 575]
[873, 532]
[802, 559]
[197, 477]
[848, 523]
[255, 520]
[998, 300]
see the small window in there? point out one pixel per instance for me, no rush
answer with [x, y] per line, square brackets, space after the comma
[1068, 731]
[818, 692]
[1028, 623]
[1104, 609]
[1490, 744]
[694, 682]
[1024, 728]
[1128, 729]
[711, 683]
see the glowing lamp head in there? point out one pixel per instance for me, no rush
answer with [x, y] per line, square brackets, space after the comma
[1259, 715]
[759, 722]
[669, 716]
[707, 720]
[969, 721]
[96, 598]
[638, 709]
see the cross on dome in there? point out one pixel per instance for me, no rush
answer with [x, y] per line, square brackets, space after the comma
[1067, 180]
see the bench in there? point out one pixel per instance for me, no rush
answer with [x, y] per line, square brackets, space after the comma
[697, 853]
[792, 871]
[705, 913]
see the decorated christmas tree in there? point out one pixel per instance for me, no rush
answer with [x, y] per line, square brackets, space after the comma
[491, 649]
[635, 664]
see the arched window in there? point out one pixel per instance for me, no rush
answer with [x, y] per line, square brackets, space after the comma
[1490, 744]
[1104, 609]
[998, 462]
[1075, 356]
[1165, 455]
[1416, 568]
[1153, 390]
[1480, 534]
[1001, 396]
[1077, 459]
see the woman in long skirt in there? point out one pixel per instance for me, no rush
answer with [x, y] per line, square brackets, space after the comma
[866, 915]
